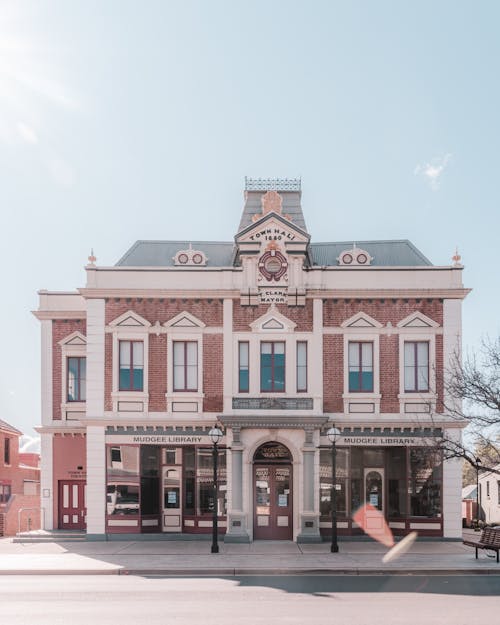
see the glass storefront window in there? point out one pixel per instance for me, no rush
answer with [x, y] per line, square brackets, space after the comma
[396, 482]
[204, 481]
[150, 479]
[122, 488]
[325, 482]
[425, 480]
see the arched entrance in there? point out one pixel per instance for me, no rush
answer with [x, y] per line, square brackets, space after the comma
[272, 471]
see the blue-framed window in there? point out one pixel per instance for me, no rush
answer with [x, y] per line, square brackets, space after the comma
[272, 366]
[243, 367]
[131, 366]
[77, 379]
[360, 367]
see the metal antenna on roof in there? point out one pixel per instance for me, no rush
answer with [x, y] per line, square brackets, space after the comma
[91, 258]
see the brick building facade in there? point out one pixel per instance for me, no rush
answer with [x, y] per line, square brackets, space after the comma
[19, 484]
[274, 337]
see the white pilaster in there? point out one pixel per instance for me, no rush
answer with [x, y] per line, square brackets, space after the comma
[96, 480]
[95, 358]
[452, 343]
[315, 357]
[46, 366]
[46, 481]
[227, 359]
[452, 491]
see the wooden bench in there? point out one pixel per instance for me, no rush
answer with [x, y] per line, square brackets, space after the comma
[490, 539]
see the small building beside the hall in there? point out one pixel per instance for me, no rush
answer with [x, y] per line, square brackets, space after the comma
[19, 484]
[275, 338]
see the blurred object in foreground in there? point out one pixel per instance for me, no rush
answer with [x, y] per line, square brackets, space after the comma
[401, 547]
[372, 522]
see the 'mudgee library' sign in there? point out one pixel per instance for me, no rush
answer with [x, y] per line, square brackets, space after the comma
[159, 439]
[381, 441]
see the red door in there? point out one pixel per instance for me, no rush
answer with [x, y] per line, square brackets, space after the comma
[72, 505]
[273, 502]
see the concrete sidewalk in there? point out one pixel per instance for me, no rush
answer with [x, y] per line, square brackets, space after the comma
[259, 558]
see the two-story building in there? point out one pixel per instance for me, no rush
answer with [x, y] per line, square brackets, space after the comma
[274, 337]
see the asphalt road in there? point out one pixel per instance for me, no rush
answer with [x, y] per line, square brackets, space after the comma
[131, 600]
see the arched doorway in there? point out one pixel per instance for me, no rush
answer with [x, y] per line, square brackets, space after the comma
[272, 471]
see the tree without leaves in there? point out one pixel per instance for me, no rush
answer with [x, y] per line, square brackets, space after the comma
[474, 387]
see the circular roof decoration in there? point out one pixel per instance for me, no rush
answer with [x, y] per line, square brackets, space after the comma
[273, 265]
[354, 256]
[190, 257]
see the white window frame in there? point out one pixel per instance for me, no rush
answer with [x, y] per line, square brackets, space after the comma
[72, 346]
[184, 327]
[361, 335]
[412, 335]
[129, 327]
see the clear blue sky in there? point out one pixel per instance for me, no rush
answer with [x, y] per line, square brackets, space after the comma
[122, 120]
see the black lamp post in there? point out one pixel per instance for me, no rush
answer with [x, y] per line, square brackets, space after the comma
[215, 435]
[333, 435]
[478, 498]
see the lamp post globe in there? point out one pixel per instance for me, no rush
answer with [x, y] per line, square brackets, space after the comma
[216, 435]
[333, 435]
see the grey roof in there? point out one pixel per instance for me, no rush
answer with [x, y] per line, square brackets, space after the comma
[221, 254]
[290, 206]
[5, 427]
[161, 253]
[385, 253]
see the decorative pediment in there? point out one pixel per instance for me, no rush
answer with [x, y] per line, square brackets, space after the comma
[361, 320]
[417, 320]
[184, 320]
[75, 338]
[130, 319]
[272, 227]
[273, 321]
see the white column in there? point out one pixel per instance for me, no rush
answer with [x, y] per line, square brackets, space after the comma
[96, 457]
[228, 365]
[95, 358]
[46, 370]
[46, 482]
[315, 357]
[452, 491]
[452, 342]
[96, 481]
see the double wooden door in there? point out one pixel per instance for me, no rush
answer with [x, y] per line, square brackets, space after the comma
[273, 502]
[72, 505]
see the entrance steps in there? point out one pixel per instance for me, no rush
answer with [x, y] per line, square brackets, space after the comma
[50, 536]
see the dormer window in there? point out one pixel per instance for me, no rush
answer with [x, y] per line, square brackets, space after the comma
[190, 257]
[354, 256]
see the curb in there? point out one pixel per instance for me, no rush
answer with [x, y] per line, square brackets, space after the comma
[240, 572]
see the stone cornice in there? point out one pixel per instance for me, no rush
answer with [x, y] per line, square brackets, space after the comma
[43, 315]
[273, 421]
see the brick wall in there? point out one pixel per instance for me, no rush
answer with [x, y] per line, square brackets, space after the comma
[243, 316]
[61, 328]
[383, 310]
[21, 513]
[158, 359]
[163, 309]
[108, 371]
[213, 367]
[333, 373]
[389, 373]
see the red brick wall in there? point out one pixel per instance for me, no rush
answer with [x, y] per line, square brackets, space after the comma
[207, 310]
[158, 359]
[27, 519]
[389, 373]
[245, 315]
[213, 366]
[61, 328]
[333, 373]
[383, 310]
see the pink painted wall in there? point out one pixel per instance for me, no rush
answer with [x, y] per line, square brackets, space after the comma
[69, 453]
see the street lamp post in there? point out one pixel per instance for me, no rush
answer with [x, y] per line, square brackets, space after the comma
[215, 436]
[478, 498]
[333, 435]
